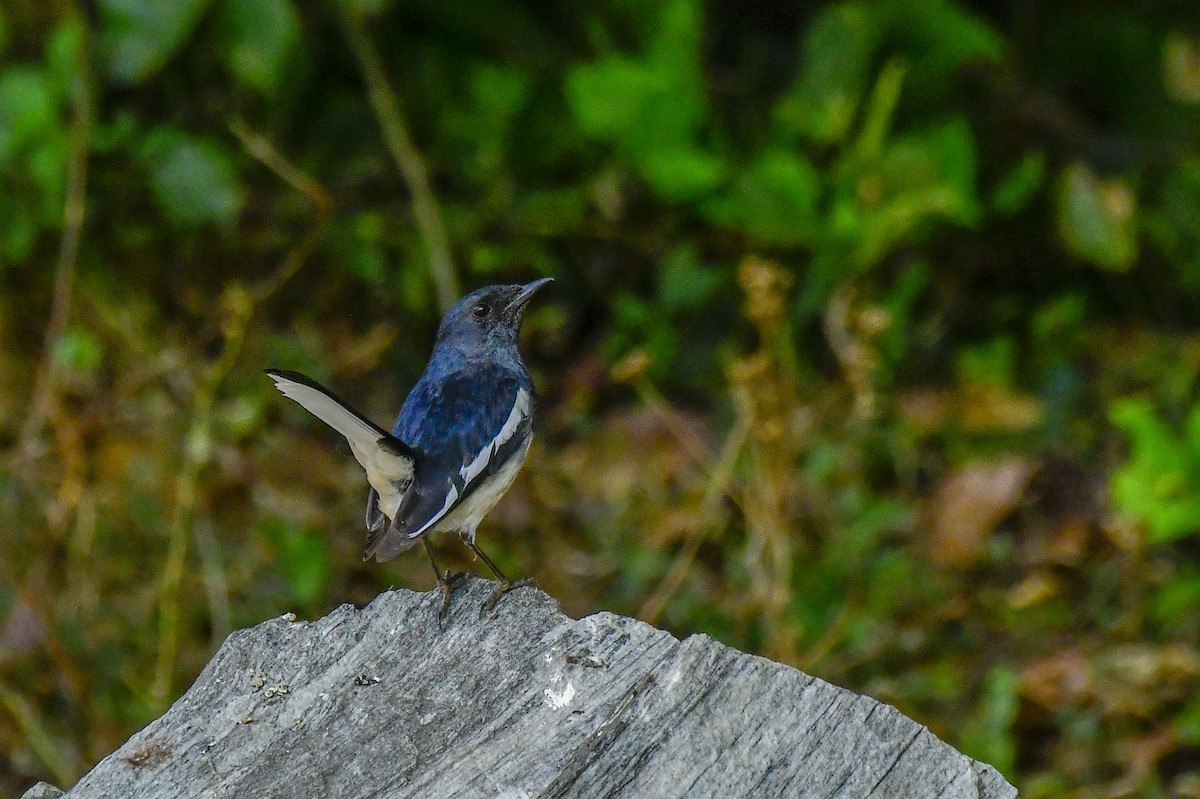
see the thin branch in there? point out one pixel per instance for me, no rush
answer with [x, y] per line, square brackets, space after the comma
[265, 153]
[399, 142]
[155, 365]
[27, 719]
[719, 483]
[68, 251]
[239, 304]
[237, 310]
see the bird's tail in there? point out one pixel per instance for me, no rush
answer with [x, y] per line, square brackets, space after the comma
[389, 462]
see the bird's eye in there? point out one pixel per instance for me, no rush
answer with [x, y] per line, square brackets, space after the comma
[481, 310]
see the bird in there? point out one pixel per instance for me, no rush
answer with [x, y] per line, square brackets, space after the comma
[461, 436]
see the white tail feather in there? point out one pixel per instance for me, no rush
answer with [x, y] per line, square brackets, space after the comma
[329, 411]
[389, 468]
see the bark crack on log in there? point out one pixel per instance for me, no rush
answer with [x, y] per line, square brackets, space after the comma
[899, 756]
[603, 735]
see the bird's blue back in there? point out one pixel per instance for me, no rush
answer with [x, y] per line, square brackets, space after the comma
[458, 406]
[453, 412]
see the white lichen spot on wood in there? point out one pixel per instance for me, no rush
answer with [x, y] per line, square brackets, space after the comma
[560, 699]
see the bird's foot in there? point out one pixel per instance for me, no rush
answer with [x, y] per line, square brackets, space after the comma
[503, 588]
[446, 584]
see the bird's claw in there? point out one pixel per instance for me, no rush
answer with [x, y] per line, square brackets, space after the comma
[446, 584]
[503, 588]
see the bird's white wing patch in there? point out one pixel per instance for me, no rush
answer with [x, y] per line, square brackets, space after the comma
[389, 468]
[521, 409]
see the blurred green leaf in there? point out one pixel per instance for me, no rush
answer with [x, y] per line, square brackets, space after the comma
[62, 52]
[1019, 186]
[992, 363]
[1097, 217]
[1059, 319]
[1171, 221]
[260, 39]
[28, 109]
[78, 350]
[498, 94]
[868, 516]
[303, 559]
[685, 282]
[33, 154]
[942, 159]
[941, 36]
[892, 577]
[653, 108]
[607, 97]
[682, 173]
[1187, 721]
[988, 736]
[138, 36]
[18, 229]
[836, 61]
[773, 199]
[638, 324]
[919, 178]
[1179, 600]
[1159, 485]
[896, 341]
[358, 242]
[878, 112]
[486, 258]
[193, 178]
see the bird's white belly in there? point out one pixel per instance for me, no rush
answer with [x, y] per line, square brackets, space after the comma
[466, 517]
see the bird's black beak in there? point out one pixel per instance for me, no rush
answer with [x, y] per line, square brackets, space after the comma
[517, 303]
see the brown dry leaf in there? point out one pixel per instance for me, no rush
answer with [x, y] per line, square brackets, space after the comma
[984, 407]
[357, 355]
[969, 504]
[1138, 679]
[21, 631]
[663, 474]
[1181, 67]
[1124, 532]
[1134, 680]
[925, 410]
[1140, 754]
[1186, 786]
[1033, 590]
[1058, 680]
[631, 367]
[1067, 543]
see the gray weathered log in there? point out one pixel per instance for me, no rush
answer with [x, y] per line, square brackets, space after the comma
[381, 702]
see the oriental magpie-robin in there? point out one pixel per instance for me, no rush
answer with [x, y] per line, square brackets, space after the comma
[459, 441]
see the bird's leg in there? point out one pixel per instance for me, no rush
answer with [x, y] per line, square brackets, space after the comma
[506, 584]
[447, 581]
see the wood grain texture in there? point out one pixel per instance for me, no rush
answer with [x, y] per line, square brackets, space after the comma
[381, 702]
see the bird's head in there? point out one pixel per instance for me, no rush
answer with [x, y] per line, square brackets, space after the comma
[490, 316]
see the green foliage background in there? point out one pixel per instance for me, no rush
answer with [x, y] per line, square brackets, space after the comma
[874, 346]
